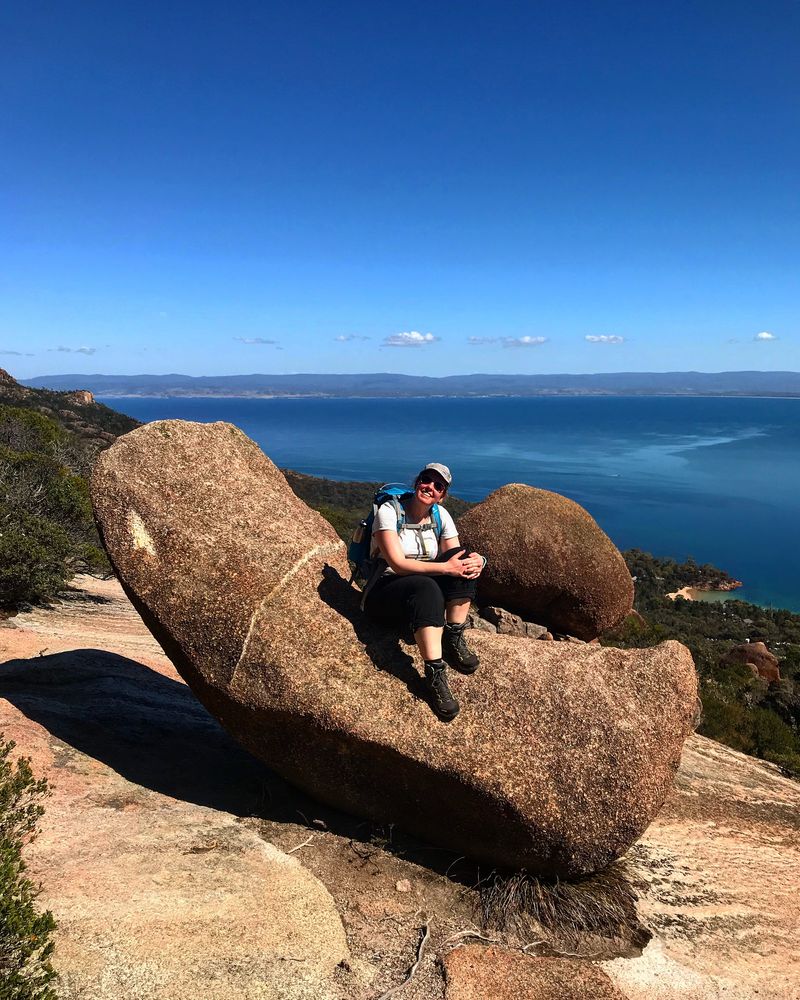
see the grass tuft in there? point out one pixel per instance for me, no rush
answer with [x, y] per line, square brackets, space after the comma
[564, 914]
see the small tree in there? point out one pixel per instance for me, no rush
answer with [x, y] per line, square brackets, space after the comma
[33, 558]
[25, 934]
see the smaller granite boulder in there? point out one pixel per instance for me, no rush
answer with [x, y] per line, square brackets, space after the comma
[755, 655]
[477, 973]
[548, 561]
[506, 623]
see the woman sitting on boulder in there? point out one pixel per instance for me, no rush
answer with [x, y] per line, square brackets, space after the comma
[427, 583]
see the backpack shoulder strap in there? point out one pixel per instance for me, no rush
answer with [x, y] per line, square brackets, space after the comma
[398, 509]
[437, 520]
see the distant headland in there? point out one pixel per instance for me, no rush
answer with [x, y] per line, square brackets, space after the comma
[384, 384]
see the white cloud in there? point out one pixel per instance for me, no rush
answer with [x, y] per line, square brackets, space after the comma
[765, 335]
[254, 340]
[412, 339]
[507, 341]
[75, 350]
[604, 338]
[345, 338]
[18, 354]
[523, 341]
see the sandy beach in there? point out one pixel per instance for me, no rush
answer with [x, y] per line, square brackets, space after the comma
[698, 594]
[687, 593]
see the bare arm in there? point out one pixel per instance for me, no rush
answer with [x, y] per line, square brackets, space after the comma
[392, 551]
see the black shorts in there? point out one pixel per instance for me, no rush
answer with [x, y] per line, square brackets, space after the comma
[418, 599]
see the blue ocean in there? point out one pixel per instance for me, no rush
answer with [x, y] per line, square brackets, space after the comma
[714, 478]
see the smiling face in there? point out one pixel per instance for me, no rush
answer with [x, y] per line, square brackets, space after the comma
[430, 488]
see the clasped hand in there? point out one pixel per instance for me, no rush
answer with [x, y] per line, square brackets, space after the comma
[469, 566]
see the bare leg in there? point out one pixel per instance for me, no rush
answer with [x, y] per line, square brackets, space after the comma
[456, 611]
[429, 642]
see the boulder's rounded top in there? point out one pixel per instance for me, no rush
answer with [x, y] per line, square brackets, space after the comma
[548, 560]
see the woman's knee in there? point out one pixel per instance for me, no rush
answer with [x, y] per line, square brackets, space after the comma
[458, 588]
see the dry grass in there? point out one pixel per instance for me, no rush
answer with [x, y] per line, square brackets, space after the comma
[565, 915]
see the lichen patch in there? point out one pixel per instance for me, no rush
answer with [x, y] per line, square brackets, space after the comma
[139, 534]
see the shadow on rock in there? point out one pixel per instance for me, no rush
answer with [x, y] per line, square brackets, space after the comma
[383, 646]
[152, 730]
[147, 727]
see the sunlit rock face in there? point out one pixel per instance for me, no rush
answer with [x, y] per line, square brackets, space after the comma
[548, 561]
[758, 657]
[562, 753]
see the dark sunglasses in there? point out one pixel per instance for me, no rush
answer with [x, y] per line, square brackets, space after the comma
[437, 484]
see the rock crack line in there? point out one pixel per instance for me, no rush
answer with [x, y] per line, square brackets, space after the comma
[295, 568]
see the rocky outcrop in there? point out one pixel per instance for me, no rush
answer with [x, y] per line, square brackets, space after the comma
[548, 560]
[80, 396]
[756, 656]
[562, 754]
[10, 389]
[99, 708]
[721, 866]
[507, 623]
[478, 973]
[159, 891]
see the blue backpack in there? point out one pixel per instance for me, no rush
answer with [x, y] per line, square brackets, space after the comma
[358, 551]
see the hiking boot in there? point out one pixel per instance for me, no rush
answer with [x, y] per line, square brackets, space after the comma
[442, 700]
[456, 651]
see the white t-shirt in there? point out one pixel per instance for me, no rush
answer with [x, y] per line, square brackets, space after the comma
[417, 541]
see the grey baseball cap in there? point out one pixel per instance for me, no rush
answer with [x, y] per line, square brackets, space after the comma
[443, 471]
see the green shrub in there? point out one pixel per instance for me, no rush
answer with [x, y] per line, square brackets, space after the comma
[27, 430]
[33, 558]
[772, 737]
[635, 633]
[46, 527]
[90, 558]
[48, 444]
[68, 501]
[726, 721]
[25, 934]
[39, 485]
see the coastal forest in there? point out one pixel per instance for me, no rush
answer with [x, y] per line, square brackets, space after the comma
[48, 442]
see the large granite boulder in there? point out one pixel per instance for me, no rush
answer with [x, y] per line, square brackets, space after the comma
[559, 760]
[548, 561]
[763, 662]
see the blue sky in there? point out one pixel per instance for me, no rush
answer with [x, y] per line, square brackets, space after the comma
[418, 187]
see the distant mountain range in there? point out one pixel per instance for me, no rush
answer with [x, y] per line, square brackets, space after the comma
[385, 384]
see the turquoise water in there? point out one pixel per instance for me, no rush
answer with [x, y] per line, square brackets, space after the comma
[718, 479]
